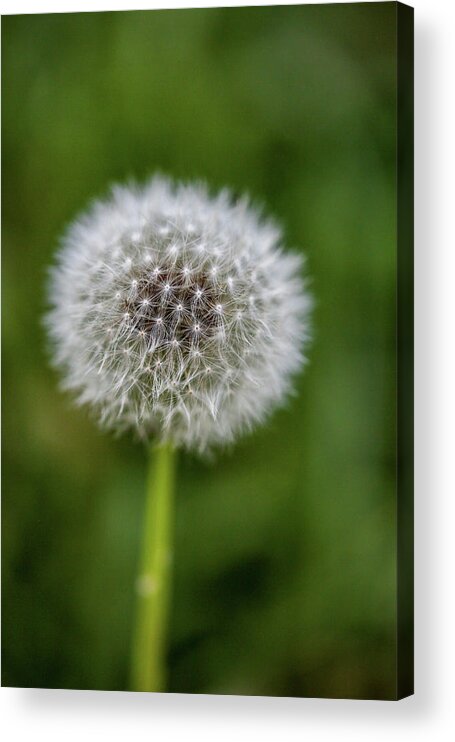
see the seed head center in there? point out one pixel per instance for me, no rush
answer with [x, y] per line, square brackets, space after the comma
[167, 308]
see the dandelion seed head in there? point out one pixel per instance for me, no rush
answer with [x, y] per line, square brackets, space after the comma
[193, 341]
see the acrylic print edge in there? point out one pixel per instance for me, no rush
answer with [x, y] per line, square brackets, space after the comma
[405, 352]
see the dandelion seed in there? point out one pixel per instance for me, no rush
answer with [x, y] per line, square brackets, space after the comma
[229, 298]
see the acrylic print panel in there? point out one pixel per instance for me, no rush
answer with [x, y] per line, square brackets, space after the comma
[239, 307]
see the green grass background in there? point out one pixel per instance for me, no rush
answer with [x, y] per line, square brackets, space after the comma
[285, 560]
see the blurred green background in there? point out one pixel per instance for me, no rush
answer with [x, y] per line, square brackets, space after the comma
[285, 562]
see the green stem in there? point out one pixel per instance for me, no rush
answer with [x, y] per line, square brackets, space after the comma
[148, 659]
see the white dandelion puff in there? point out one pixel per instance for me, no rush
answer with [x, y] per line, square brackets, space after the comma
[177, 314]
